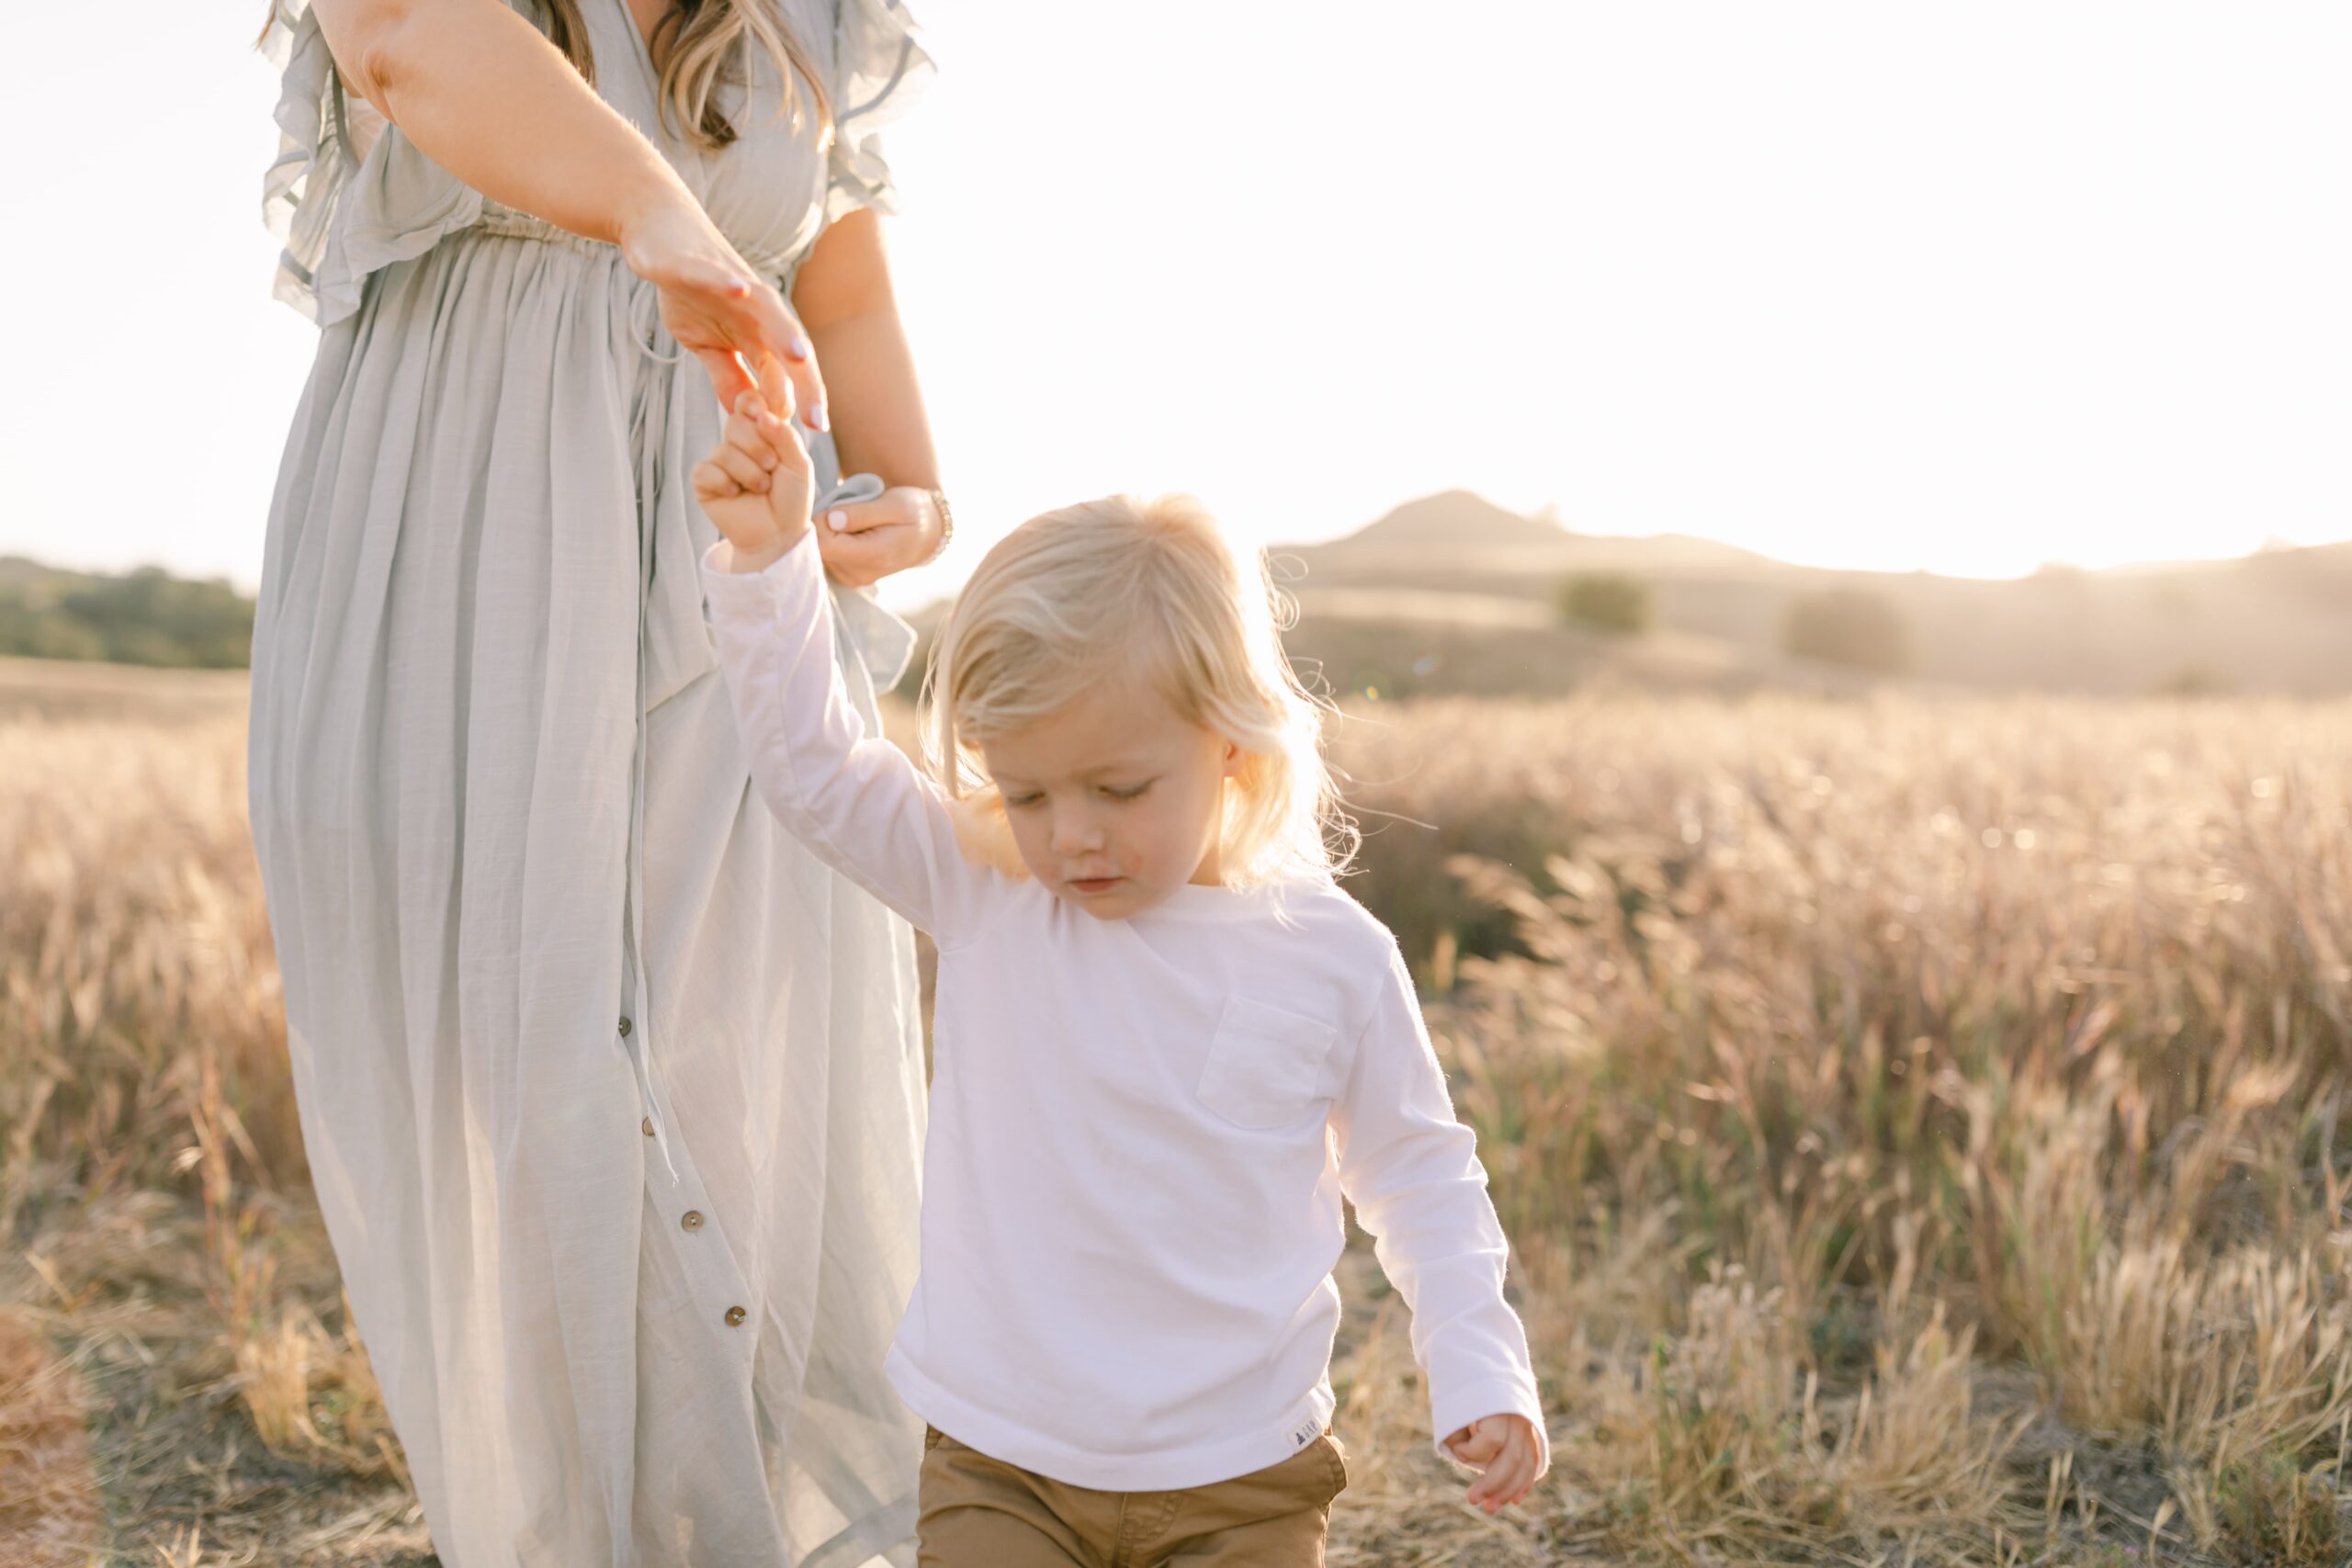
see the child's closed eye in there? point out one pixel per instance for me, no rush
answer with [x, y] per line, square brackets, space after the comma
[1019, 799]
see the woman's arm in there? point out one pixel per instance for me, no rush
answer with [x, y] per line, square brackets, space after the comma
[843, 297]
[482, 93]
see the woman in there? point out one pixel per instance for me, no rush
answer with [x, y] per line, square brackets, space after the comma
[612, 1094]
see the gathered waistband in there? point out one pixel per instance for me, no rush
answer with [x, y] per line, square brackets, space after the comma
[507, 222]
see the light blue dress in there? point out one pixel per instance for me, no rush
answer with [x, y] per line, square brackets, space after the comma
[611, 1093]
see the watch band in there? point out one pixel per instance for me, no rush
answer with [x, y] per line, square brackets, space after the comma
[946, 526]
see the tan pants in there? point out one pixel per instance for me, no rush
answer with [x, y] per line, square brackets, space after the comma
[981, 1513]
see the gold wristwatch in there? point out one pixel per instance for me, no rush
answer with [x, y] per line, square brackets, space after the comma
[946, 526]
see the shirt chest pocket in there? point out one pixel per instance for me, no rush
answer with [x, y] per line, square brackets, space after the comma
[1265, 1064]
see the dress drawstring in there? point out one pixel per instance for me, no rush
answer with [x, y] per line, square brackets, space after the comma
[649, 433]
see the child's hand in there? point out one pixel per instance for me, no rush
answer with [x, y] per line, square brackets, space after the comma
[756, 483]
[1504, 1447]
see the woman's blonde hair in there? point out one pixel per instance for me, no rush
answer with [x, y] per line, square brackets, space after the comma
[1128, 590]
[699, 45]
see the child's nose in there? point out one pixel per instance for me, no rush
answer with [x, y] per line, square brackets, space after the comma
[1075, 833]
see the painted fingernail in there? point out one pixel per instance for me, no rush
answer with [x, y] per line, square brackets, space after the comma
[819, 419]
[837, 521]
[798, 348]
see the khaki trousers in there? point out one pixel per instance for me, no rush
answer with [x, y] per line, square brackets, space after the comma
[977, 1512]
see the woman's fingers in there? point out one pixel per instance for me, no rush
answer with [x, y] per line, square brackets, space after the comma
[727, 377]
[715, 305]
[781, 336]
[863, 516]
[724, 280]
[731, 332]
[858, 559]
[776, 389]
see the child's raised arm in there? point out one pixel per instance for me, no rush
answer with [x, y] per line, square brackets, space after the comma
[853, 798]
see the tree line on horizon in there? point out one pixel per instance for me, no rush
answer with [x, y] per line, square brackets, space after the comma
[1852, 627]
[145, 616]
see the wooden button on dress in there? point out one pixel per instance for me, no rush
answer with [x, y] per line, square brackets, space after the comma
[691, 1219]
[735, 1317]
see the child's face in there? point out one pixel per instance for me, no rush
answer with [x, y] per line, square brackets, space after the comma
[1116, 801]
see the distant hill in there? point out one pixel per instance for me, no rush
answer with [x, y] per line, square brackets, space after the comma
[1453, 593]
[1473, 535]
[147, 616]
[1454, 518]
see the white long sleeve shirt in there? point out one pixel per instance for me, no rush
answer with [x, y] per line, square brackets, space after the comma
[1140, 1129]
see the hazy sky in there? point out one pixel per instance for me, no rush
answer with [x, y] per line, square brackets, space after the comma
[1962, 287]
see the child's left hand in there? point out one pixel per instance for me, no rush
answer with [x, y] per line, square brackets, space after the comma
[1504, 1447]
[756, 483]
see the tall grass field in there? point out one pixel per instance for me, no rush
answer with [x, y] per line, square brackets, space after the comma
[1921, 1123]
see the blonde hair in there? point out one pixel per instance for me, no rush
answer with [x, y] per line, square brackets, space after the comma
[1150, 590]
[699, 45]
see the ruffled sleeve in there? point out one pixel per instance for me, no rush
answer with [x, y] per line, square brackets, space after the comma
[878, 70]
[341, 217]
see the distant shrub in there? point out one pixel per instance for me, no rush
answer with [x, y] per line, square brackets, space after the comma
[1605, 600]
[2192, 681]
[147, 616]
[1851, 627]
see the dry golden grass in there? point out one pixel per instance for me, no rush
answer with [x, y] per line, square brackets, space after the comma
[1889, 1099]
[1920, 1125]
[48, 1496]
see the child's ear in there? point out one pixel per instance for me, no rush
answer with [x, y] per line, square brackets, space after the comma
[1235, 760]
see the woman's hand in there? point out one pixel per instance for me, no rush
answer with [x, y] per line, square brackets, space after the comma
[713, 305]
[865, 541]
[1504, 1447]
[756, 484]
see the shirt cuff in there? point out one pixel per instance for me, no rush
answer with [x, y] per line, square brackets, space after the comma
[881, 641]
[718, 565]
